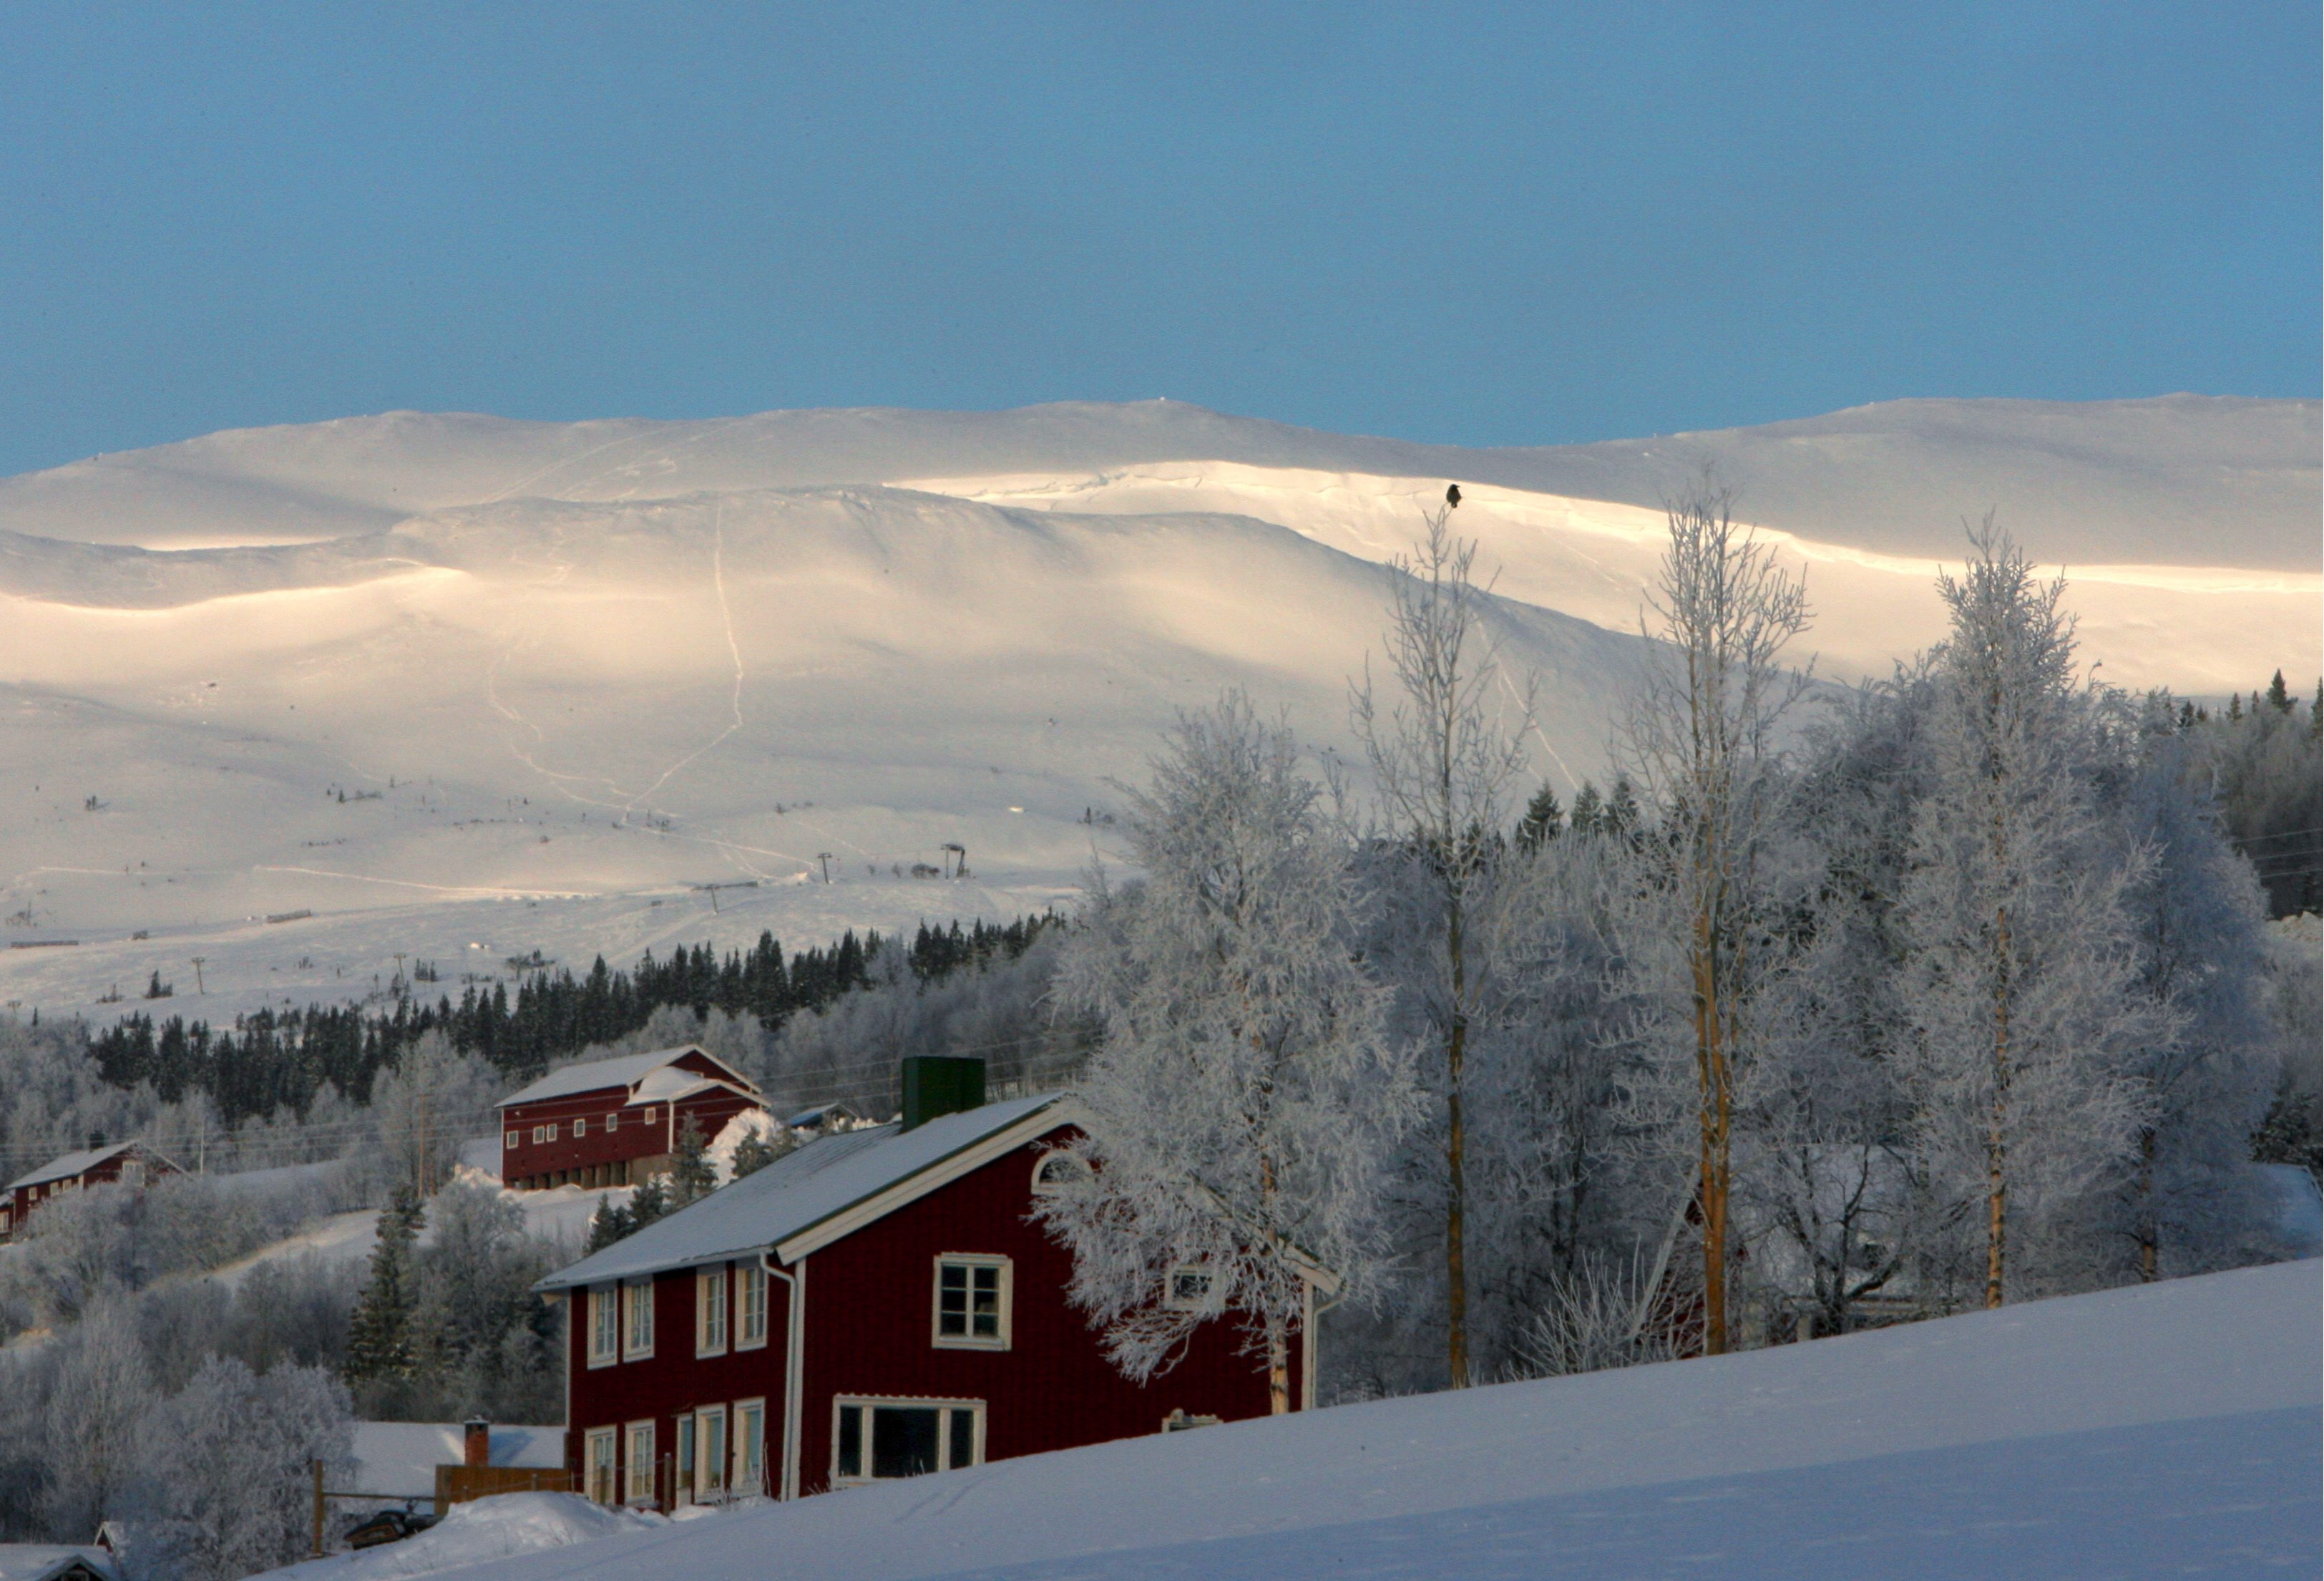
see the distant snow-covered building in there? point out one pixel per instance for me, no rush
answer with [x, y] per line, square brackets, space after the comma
[130, 1163]
[876, 1303]
[53, 1561]
[613, 1122]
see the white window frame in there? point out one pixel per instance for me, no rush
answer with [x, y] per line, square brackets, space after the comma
[1177, 1302]
[650, 1114]
[711, 1444]
[638, 1319]
[1045, 1186]
[580, 1126]
[600, 1454]
[638, 1469]
[710, 1310]
[681, 1470]
[605, 1326]
[539, 1135]
[867, 1403]
[1003, 1288]
[613, 1121]
[515, 1140]
[749, 1437]
[750, 1305]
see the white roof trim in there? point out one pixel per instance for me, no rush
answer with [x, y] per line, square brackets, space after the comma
[943, 1172]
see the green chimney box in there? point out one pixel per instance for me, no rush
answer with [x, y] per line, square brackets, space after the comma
[940, 1084]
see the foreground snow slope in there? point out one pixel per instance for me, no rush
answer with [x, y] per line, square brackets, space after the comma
[2164, 1429]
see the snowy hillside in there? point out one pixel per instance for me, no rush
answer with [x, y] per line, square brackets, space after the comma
[2164, 1429]
[462, 690]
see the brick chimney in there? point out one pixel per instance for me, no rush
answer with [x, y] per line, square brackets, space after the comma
[477, 1447]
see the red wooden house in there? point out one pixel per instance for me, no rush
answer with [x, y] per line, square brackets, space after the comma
[129, 1162]
[613, 1122]
[876, 1304]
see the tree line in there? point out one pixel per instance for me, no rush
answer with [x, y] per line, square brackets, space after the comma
[269, 1061]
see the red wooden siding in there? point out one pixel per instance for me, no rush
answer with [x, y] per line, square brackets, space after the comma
[868, 1309]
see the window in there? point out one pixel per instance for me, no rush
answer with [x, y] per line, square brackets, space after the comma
[637, 1298]
[541, 1134]
[599, 1457]
[581, 1127]
[613, 1121]
[971, 1301]
[512, 1139]
[749, 1306]
[604, 1321]
[1058, 1172]
[650, 1114]
[710, 1312]
[553, 1133]
[681, 1490]
[709, 1452]
[876, 1439]
[639, 1471]
[1178, 1421]
[1189, 1289]
[749, 1446]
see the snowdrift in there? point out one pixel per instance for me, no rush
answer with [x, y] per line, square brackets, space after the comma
[2170, 1428]
[480, 1532]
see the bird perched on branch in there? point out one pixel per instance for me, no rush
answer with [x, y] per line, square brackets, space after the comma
[1452, 496]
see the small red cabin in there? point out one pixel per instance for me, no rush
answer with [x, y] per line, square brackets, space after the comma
[613, 1122]
[131, 1163]
[876, 1304]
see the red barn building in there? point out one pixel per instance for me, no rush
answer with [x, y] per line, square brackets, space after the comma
[873, 1305]
[613, 1122]
[131, 1163]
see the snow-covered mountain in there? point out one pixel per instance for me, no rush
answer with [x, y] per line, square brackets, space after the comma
[565, 674]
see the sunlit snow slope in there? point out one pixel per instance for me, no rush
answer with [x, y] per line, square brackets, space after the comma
[2164, 1429]
[564, 675]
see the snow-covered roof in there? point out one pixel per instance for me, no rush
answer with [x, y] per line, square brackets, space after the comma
[673, 1082]
[69, 1165]
[624, 1070]
[794, 1193]
[42, 1561]
[402, 1458]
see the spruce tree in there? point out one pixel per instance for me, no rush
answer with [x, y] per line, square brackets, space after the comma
[649, 1202]
[608, 1224]
[693, 1176]
[1542, 822]
[756, 1151]
[382, 1342]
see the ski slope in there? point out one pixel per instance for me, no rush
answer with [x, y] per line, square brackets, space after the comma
[2164, 1429]
[317, 704]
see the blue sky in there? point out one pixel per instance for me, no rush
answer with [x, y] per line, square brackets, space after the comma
[1534, 225]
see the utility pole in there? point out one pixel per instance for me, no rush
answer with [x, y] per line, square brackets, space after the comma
[403, 984]
[824, 858]
[199, 986]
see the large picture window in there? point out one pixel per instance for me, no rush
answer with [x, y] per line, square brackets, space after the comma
[877, 1440]
[972, 1302]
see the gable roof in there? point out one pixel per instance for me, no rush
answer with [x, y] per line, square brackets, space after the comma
[812, 1196]
[623, 1070]
[66, 1166]
[49, 1561]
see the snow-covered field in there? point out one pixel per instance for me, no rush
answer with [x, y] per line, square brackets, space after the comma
[2164, 1429]
[302, 702]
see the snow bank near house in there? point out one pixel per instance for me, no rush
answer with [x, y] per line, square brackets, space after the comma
[2164, 1428]
[481, 1531]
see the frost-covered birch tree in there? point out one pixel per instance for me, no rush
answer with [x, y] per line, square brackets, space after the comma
[1699, 737]
[1245, 1093]
[2019, 984]
[1443, 759]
